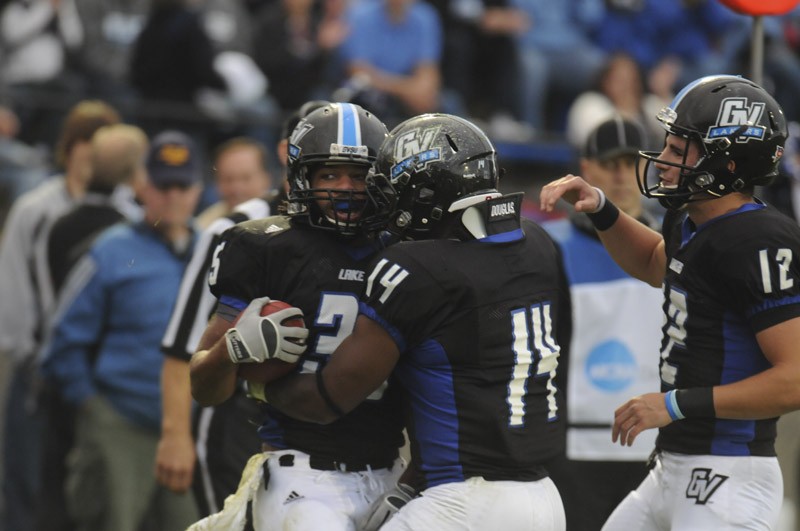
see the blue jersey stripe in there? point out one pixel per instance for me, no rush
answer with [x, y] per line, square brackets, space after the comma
[271, 431]
[742, 359]
[504, 237]
[434, 412]
[737, 434]
[770, 304]
[433, 404]
[233, 303]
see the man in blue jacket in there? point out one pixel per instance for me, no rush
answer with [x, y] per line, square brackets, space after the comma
[105, 355]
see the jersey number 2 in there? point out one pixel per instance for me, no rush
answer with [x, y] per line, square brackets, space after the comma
[336, 319]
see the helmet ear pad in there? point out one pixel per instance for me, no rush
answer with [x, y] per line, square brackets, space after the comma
[418, 209]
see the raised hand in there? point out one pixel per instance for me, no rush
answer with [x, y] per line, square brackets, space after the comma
[572, 189]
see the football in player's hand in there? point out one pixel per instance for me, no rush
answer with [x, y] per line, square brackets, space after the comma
[270, 370]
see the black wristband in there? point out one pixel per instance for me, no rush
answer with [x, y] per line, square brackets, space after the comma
[604, 218]
[697, 402]
[326, 397]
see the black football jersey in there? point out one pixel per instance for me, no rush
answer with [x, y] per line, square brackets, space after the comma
[479, 325]
[726, 280]
[323, 276]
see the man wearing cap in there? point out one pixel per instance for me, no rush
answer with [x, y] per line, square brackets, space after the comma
[616, 326]
[117, 155]
[24, 306]
[218, 439]
[104, 351]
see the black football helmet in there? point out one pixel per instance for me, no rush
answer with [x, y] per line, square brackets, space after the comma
[336, 133]
[730, 118]
[430, 167]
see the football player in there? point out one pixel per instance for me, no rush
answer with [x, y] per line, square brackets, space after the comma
[222, 437]
[728, 264]
[315, 258]
[471, 315]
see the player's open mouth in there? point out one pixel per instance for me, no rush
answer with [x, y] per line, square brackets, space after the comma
[345, 217]
[667, 186]
[346, 211]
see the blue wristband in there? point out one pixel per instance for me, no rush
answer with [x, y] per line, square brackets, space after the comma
[671, 401]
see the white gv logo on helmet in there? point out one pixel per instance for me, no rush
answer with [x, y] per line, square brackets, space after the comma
[413, 149]
[735, 113]
[414, 142]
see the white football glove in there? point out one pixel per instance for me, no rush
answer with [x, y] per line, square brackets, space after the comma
[257, 338]
[384, 508]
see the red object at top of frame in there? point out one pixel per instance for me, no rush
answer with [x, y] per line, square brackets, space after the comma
[761, 7]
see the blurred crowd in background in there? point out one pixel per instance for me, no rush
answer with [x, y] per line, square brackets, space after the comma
[537, 75]
[527, 71]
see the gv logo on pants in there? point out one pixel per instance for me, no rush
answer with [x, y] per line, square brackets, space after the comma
[703, 485]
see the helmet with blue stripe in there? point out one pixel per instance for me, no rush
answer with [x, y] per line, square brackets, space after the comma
[334, 134]
[739, 129]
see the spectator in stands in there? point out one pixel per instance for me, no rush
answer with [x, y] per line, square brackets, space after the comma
[784, 192]
[391, 56]
[295, 45]
[689, 36]
[37, 36]
[616, 322]
[498, 82]
[240, 170]
[171, 61]
[117, 155]
[104, 351]
[245, 103]
[619, 90]
[558, 35]
[476, 33]
[781, 57]
[228, 24]
[188, 84]
[22, 166]
[702, 44]
[459, 29]
[109, 29]
[26, 301]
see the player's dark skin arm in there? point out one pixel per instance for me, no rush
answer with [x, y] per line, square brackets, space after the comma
[212, 372]
[361, 363]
